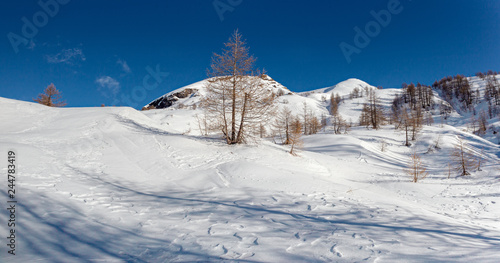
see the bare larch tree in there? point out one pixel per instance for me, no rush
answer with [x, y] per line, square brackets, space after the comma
[463, 158]
[236, 100]
[372, 113]
[50, 97]
[283, 124]
[295, 136]
[416, 169]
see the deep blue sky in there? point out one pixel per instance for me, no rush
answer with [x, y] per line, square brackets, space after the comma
[97, 51]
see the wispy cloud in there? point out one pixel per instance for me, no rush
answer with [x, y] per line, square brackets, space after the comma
[67, 56]
[108, 85]
[124, 65]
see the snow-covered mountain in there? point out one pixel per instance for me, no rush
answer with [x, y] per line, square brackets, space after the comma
[114, 184]
[181, 105]
[350, 108]
[180, 108]
[191, 95]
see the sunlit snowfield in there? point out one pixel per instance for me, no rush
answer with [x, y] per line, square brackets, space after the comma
[118, 185]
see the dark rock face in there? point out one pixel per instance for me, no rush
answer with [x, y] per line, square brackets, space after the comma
[184, 94]
[167, 101]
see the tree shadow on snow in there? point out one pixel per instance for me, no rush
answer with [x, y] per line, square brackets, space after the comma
[50, 230]
[409, 225]
[56, 231]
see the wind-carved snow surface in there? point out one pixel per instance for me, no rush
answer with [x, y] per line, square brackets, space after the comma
[118, 185]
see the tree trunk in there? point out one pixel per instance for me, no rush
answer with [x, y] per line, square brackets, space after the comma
[225, 130]
[287, 138]
[240, 130]
[406, 130]
[464, 170]
[233, 113]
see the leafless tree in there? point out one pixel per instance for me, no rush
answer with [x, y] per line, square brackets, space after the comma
[355, 93]
[203, 124]
[314, 125]
[311, 124]
[324, 121]
[372, 113]
[236, 100]
[415, 168]
[482, 123]
[296, 136]
[333, 105]
[481, 159]
[444, 110]
[472, 126]
[50, 97]
[305, 117]
[364, 118]
[410, 121]
[283, 124]
[339, 124]
[404, 123]
[416, 120]
[463, 158]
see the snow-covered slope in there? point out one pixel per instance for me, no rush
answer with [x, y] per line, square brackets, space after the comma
[344, 88]
[350, 108]
[478, 85]
[191, 95]
[183, 103]
[117, 185]
[182, 114]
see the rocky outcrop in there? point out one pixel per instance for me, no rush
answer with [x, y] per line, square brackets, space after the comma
[169, 100]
